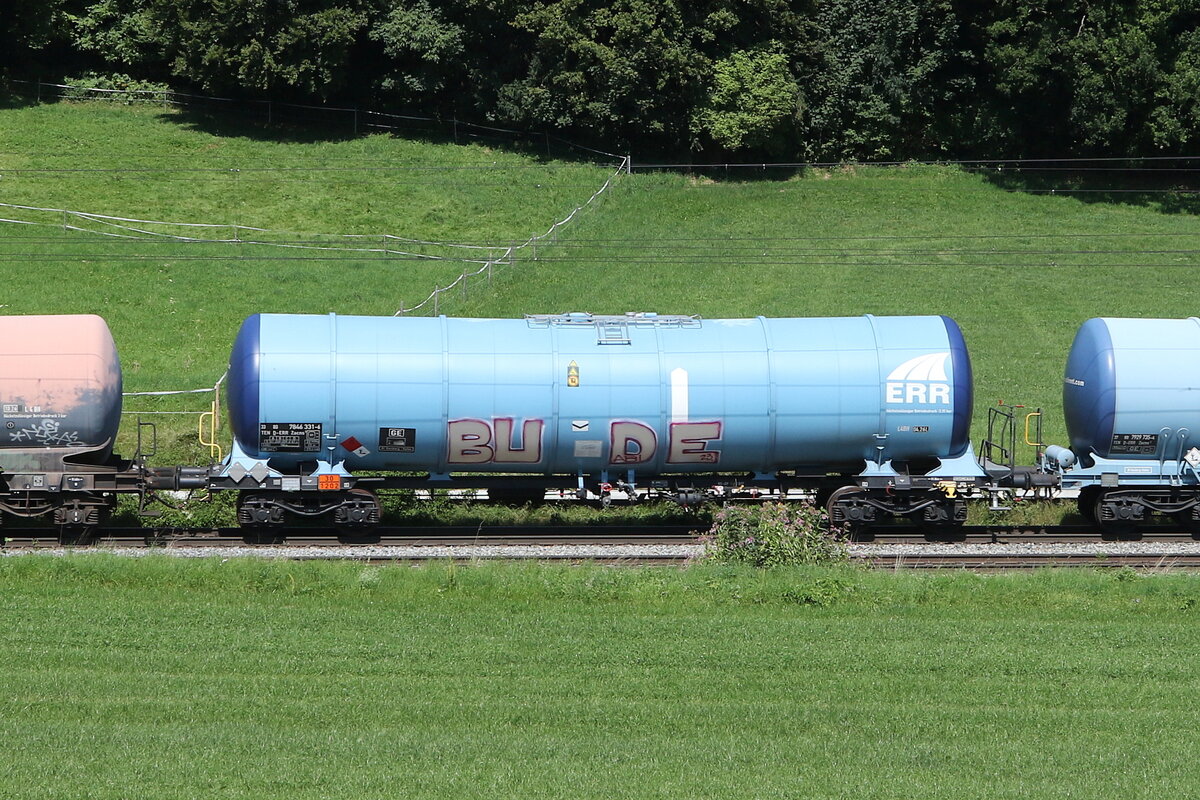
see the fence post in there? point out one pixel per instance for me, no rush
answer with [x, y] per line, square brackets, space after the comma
[489, 267]
[455, 128]
[464, 284]
[39, 90]
[437, 293]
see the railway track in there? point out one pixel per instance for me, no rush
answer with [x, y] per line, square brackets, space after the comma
[1001, 562]
[495, 535]
[980, 548]
[410, 536]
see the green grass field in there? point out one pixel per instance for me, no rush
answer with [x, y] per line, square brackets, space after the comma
[170, 678]
[159, 678]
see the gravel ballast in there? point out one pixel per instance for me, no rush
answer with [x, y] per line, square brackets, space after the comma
[613, 552]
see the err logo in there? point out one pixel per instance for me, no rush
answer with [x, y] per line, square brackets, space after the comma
[919, 381]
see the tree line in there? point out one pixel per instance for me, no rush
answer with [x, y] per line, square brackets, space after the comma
[811, 80]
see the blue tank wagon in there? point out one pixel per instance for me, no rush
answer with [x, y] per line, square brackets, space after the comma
[872, 412]
[1131, 401]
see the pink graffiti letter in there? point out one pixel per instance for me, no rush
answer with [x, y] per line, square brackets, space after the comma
[468, 441]
[530, 451]
[685, 436]
[631, 443]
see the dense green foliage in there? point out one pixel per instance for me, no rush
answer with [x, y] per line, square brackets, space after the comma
[163, 679]
[816, 80]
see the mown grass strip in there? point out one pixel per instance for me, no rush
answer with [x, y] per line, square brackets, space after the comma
[254, 679]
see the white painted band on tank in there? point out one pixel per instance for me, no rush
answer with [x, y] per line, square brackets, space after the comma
[679, 395]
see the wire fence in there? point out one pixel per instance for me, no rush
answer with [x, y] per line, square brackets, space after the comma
[481, 262]
[461, 285]
[323, 246]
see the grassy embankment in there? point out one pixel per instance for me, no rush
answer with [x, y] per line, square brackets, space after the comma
[175, 307]
[1018, 270]
[161, 678]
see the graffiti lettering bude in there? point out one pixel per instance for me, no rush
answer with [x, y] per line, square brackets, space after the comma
[630, 443]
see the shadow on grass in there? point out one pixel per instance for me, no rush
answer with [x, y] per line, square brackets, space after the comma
[285, 123]
[298, 123]
[1166, 187]
[1158, 187]
[726, 173]
[13, 100]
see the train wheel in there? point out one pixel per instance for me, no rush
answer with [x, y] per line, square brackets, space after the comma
[847, 509]
[79, 519]
[1117, 517]
[359, 511]
[76, 534]
[943, 531]
[260, 517]
[943, 520]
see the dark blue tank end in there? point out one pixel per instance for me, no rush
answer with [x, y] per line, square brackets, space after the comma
[1090, 390]
[964, 389]
[243, 384]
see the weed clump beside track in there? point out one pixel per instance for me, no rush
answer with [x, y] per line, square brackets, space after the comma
[774, 535]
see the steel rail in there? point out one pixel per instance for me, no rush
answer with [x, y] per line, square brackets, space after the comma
[998, 562]
[501, 535]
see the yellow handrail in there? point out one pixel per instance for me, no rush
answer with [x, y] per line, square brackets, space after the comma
[1028, 417]
[213, 418]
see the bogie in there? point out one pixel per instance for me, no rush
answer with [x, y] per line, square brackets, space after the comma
[355, 508]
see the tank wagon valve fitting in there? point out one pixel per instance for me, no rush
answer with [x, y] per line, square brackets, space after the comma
[1059, 457]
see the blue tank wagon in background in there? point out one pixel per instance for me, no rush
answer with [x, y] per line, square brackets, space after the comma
[1131, 401]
